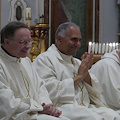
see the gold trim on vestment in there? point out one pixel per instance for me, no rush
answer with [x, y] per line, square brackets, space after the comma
[59, 88]
[99, 100]
[82, 99]
[81, 88]
[16, 110]
[26, 85]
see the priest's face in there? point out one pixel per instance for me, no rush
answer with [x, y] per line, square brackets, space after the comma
[20, 44]
[71, 42]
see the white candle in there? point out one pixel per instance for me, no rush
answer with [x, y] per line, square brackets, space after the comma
[93, 47]
[106, 48]
[28, 13]
[113, 48]
[103, 47]
[96, 48]
[99, 48]
[116, 45]
[89, 47]
[110, 47]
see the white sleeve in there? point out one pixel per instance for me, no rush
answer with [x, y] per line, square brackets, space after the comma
[8, 103]
[107, 72]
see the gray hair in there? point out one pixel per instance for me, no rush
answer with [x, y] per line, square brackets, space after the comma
[63, 29]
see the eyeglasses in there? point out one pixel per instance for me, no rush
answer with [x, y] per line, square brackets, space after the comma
[25, 42]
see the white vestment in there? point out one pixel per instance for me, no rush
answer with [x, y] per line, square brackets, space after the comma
[21, 90]
[107, 71]
[58, 71]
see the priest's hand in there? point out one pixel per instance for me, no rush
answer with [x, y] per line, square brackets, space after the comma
[83, 73]
[49, 109]
[118, 52]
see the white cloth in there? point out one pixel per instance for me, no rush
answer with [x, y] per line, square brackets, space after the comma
[107, 71]
[21, 90]
[58, 71]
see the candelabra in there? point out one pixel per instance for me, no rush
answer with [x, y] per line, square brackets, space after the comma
[39, 34]
[35, 49]
[99, 49]
[40, 20]
[28, 21]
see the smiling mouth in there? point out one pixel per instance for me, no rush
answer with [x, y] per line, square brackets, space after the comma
[25, 51]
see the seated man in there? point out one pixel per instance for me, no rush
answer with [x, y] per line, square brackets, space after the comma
[23, 95]
[107, 71]
[71, 87]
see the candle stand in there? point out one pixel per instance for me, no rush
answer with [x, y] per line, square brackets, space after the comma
[39, 34]
[28, 21]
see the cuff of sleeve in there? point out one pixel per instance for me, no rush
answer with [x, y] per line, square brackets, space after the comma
[95, 88]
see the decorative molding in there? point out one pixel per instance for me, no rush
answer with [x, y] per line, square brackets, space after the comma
[17, 10]
[67, 13]
[89, 21]
[93, 33]
[46, 11]
[0, 13]
[97, 12]
[101, 23]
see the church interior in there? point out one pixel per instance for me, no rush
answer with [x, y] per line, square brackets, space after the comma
[99, 21]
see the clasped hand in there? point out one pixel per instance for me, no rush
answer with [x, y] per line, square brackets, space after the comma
[49, 109]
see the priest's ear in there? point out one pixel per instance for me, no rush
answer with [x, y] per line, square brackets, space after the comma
[7, 41]
[59, 39]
